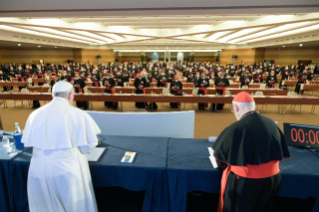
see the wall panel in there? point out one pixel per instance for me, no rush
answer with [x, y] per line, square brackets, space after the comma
[5, 56]
[90, 55]
[26, 55]
[285, 56]
[243, 55]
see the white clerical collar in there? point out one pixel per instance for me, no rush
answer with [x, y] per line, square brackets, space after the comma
[60, 99]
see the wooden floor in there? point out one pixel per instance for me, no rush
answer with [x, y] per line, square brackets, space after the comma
[206, 123]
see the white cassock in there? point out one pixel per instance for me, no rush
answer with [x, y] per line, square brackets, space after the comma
[59, 177]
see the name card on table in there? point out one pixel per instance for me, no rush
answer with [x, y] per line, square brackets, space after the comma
[128, 157]
[212, 139]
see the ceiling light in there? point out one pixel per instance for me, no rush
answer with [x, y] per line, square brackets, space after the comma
[300, 44]
[270, 31]
[283, 46]
[55, 47]
[239, 34]
[32, 32]
[39, 46]
[19, 44]
[291, 32]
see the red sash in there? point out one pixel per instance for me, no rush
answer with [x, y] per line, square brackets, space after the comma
[205, 93]
[272, 84]
[96, 83]
[221, 88]
[250, 171]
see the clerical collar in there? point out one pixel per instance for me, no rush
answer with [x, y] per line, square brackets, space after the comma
[249, 113]
[60, 99]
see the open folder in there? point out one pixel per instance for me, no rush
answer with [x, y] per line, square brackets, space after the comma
[95, 154]
[211, 157]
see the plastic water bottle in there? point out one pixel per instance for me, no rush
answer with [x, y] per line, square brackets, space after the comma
[17, 136]
[6, 145]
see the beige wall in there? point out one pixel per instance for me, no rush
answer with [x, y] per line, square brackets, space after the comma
[90, 55]
[243, 55]
[27, 55]
[5, 55]
[292, 55]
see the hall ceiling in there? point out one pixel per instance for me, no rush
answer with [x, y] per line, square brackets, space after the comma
[187, 32]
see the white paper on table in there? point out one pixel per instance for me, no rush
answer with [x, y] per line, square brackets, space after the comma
[211, 157]
[213, 161]
[283, 83]
[301, 86]
[95, 154]
[212, 139]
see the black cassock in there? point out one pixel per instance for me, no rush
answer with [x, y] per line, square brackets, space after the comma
[109, 84]
[175, 87]
[140, 82]
[202, 90]
[82, 84]
[221, 84]
[251, 143]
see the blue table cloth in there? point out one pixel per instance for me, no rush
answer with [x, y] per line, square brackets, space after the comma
[189, 168]
[5, 190]
[147, 172]
[5, 180]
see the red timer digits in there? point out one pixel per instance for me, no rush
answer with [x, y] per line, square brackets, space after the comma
[298, 135]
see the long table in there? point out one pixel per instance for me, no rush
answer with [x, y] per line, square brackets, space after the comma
[303, 100]
[281, 101]
[232, 91]
[189, 169]
[167, 169]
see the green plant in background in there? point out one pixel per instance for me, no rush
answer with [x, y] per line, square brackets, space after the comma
[192, 58]
[142, 58]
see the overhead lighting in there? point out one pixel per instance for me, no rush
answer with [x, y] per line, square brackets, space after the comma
[270, 31]
[240, 33]
[69, 35]
[283, 46]
[19, 44]
[218, 35]
[296, 31]
[55, 47]
[39, 46]
[300, 44]
[31, 32]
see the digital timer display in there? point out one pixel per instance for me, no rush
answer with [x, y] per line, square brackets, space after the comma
[302, 135]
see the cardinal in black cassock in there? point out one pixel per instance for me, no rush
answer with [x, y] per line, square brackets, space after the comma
[176, 87]
[109, 84]
[140, 84]
[249, 151]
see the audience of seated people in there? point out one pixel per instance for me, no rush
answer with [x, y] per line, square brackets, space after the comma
[110, 74]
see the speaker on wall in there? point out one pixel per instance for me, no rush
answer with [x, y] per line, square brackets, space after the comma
[99, 56]
[116, 60]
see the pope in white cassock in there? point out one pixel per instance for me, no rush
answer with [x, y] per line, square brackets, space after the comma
[59, 177]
